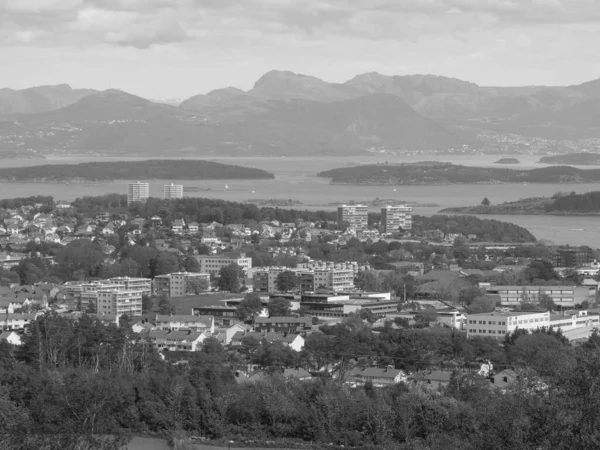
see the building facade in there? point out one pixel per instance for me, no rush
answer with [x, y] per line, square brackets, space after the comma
[573, 257]
[171, 191]
[212, 264]
[334, 279]
[355, 215]
[394, 218]
[499, 324]
[179, 284]
[137, 192]
[562, 296]
[119, 302]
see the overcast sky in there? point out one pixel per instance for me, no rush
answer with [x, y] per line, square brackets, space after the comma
[178, 48]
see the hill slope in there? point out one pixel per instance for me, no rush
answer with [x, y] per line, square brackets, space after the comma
[39, 99]
[156, 169]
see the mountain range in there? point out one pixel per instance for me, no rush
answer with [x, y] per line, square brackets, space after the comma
[290, 114]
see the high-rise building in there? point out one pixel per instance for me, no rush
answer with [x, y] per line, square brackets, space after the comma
[137, 192]
[355, 215]
[334, 279]
[395, 217]
[173, 190]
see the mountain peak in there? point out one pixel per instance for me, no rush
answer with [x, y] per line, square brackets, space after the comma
[278, 77]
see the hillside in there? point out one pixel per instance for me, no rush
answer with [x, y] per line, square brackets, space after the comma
[39, 99]
[114, 122]
[577, 159]
[132, 170]
[559, 204]
[443, 173]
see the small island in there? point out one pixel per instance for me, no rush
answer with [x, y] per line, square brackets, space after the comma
[450, 174]
[508, 161]
[154, 169]
[559, 204]
[577, 159]
[273, 202]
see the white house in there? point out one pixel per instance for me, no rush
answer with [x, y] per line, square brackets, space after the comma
[187, 341]
[11, 337]
[16, 321]
[186, 322]
[376, 375]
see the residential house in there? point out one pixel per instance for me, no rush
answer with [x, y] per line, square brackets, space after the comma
[16, 321]
[378, 376]
[285, 324]
[11, 337]
[294, 341]
[183, 340]
[504, 379]
[177, 226]
[193, 227]
[186, 322]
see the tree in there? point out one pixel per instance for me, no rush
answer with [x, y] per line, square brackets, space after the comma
[545, 301]
[286, 281]
[366, 280]
[278, 307]
[230, 278]
[164, 305]
[163, 263]
[485, 202]
[147, 304]
[196, 285]
[250, 306]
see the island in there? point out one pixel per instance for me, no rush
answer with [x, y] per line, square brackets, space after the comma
[153, 169]
[507, 161]
[577, 159]
[273, 202]
[448, 174]
[559, 204]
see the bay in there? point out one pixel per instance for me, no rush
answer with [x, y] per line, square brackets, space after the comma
[295, 178]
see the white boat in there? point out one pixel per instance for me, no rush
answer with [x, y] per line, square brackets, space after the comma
[226, 187]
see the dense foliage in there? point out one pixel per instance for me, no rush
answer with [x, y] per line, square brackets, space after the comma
[73, 382]
[154, 169]
[446, 173]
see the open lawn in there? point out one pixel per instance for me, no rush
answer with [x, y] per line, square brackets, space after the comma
[184, 305]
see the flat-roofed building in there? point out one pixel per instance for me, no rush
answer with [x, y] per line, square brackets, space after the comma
[499, 324]
[137, 192]
[334, 279]
[182, 341]
[562, 296]
[356, 216]
[283, 324]
[173, 191]
[224, 316]
[172, 322]
[131, 283]
[180, 284]
[212, 264]
[394, 218]
[119, 302]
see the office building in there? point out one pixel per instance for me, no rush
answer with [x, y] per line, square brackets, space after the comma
[137, 192]
[499, 324]
[171, 191]
[180, 283]
[212, 264]
[119, 302]
[395, 218]
[355, 216]
[562, 296]
[265, 279]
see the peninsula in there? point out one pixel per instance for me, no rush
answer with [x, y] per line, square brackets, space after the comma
[559, 204]
[154, 169]
[577, 159]
[447, 173]
[507, 161]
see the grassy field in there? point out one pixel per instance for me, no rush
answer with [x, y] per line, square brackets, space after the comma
[184, 305]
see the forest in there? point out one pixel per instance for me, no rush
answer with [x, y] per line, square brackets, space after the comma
[83, 385]
[153, 169]
[446, 173]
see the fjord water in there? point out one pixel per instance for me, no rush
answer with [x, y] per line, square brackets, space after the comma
[295, 178]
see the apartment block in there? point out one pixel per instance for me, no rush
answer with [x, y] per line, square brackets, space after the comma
[212, 264]
[573, 257]
[172, 191]
[334, 279]
[119, 302]
[131, 283]
[355, 215]
[394, 218]
[178, 284]
[265, 279]
[137, 192]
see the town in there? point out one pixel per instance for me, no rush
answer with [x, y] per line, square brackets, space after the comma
[292, 295]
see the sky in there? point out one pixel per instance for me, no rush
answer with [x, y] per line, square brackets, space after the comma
[179, 48]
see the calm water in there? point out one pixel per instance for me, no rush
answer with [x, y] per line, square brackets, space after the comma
[295, 179]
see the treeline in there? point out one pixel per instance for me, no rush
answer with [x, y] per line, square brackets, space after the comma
[73, 382]
[12, 203]
[577, 203]
[154, 169]
[427, 174]
[485, 229]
